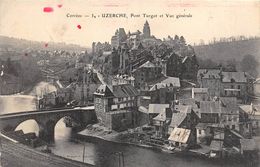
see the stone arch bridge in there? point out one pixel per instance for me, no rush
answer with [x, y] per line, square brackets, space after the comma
[47, 119]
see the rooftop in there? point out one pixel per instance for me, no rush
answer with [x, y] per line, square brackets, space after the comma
[190, 101]
[183, 108]
[209, 73]
[161, 116]
[177, 119]
[200, 90]
[124, 90]
[234, 77]
[216, 145]
[147, 64]
[248, 144]
[157, 108]
[180, 135]
[166, 82]
[210, 107]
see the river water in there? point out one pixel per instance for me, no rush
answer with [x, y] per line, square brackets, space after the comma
[101, 153]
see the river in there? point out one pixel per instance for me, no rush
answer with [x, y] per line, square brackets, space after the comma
[101, 153]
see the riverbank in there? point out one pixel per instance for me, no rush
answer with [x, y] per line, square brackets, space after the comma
[15, 154]
[131, 137]
[100, 132]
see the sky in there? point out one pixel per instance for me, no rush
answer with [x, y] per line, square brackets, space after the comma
[26, 19]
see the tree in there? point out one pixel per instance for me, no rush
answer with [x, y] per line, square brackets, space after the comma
[182, 40]
[176, 37]
[230, 65]
[250, 64]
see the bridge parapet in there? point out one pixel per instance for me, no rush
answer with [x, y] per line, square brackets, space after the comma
[47, 120]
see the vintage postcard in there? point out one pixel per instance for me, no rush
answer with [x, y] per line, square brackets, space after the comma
[129, 83]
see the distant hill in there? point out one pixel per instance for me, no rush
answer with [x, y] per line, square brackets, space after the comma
[11, 43]
[222, 51]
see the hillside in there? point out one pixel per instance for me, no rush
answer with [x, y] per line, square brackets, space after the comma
[22, 44]
[229, 50]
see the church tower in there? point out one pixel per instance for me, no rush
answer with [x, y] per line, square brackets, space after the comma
[146, 30]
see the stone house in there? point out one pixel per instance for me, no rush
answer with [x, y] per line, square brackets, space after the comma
[205, 132]
[181, 138]
[228, 84]
[222, 110]
[236, 84]
[155, 109]
[229, 112]
[216, 149]
[250, 118]
[184, 117]
[189, 67]
[116, 106]
[161, 123]
[211, 79]
[165, 90]
[146, 73]
[200, 94]
[210, 111]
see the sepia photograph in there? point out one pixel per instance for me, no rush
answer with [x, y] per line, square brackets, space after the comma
[129, 83]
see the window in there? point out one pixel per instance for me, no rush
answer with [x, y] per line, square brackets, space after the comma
[199, 131]
[233, 127]
[238, 86]
[225, 92]
[123, 116]
[232, 86]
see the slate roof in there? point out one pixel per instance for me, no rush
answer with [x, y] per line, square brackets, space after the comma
[240, 77]
[216, 145]
[210, 107]
[124, 90]
[161, 116]
[183, 108]
[248, 144]
[251, 109]
[148, 64]
[223, 105]
[157, 108]
[189, 101]
[229, 105]
[172, 80]
[142, 109]
[177, 119]
[180, 135]
[103, 90]
[205, 125]
[200, 90]
[167, 82]
[209, 73]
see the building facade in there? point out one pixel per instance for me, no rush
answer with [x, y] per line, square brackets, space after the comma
[116, 106]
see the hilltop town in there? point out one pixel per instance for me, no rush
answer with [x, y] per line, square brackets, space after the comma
[149, 92]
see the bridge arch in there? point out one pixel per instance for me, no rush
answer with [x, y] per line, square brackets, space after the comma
[47, 120]
[48, 127]
[64, 127]
[27, 126]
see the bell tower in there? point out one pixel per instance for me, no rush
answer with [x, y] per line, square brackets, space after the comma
[146, 30]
